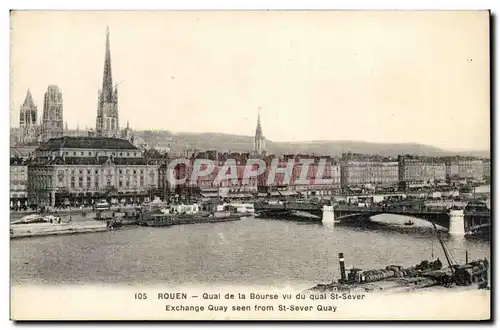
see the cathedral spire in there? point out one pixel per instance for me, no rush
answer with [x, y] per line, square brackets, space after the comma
[107, 81]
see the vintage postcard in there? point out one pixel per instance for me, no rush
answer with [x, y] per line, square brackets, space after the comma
[250, 165]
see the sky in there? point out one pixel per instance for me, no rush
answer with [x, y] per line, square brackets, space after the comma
[419, 77]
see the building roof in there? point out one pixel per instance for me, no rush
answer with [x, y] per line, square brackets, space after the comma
[85, 142]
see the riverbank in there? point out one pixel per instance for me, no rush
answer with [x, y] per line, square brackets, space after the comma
[48, 229]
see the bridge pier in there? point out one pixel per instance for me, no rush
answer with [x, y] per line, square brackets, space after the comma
[328, 214]
[457, 222]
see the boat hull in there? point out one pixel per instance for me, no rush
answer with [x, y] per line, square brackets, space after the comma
[186, 220]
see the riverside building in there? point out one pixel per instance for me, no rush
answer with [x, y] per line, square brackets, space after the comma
[417, 172]
[83, 170]
[18, 183]
[360, 172]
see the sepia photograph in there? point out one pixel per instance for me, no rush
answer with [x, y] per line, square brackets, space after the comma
[250, 165]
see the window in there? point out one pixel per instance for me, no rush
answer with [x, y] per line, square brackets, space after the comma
[90, 154]
[74, 153]
[128, 153]
[81, 153]
[127, 183]
[96, 171]
[80, 171]
[121, 154]
[120, 184]
[121, 171]
[135, 154]
[65, 153]
[88, 171]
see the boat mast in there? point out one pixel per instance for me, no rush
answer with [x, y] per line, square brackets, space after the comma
[432, 249]
[444, 248]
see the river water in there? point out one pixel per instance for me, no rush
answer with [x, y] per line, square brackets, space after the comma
[248, 252]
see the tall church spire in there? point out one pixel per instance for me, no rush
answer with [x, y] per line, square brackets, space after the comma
[259, 142]
[107, 123]
[258, 131]
[107, 81]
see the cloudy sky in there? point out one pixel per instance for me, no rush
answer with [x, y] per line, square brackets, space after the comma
[418, 77]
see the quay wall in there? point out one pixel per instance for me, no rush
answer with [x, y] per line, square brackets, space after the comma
[43, 229]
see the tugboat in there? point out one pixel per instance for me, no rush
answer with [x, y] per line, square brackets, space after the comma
[409, 223]
[394, 278]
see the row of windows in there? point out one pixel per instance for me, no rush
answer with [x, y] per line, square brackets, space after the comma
[96, 178]
[90, 153]
[97, 171]
[15, 182]
[15, 177]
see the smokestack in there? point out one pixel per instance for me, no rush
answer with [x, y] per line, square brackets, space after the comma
[342, 267]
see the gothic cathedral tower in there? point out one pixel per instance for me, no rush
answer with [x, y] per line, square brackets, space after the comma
[52, 118]
[107, 108]
[260, 141]
[28, 121]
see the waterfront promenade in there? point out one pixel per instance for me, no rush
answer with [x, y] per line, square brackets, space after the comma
[71, 223]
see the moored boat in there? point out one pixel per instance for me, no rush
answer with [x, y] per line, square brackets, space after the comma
[186, 214]
[394, 278]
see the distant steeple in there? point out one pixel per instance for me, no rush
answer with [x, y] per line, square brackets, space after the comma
[66, 126]
[258, 131]
[107, 81]
[259, 142]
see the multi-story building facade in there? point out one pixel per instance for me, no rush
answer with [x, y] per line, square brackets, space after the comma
[309, 175]
[464, 168]
[18, 183]
[52, 118]
[470, 169]
[359, 171]
[28, 122]
[212, 184]
[76, 170]
[417, 172]
[107, 123]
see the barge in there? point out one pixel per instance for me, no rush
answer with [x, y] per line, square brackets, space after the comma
[395, 278]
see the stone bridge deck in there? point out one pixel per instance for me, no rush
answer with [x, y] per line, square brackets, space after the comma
[437, 214]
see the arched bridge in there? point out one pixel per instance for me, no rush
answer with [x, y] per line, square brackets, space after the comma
[473, 220]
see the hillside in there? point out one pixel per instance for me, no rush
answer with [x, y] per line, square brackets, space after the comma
[240, 143]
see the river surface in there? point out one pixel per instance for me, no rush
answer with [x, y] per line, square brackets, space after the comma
[247, 252]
